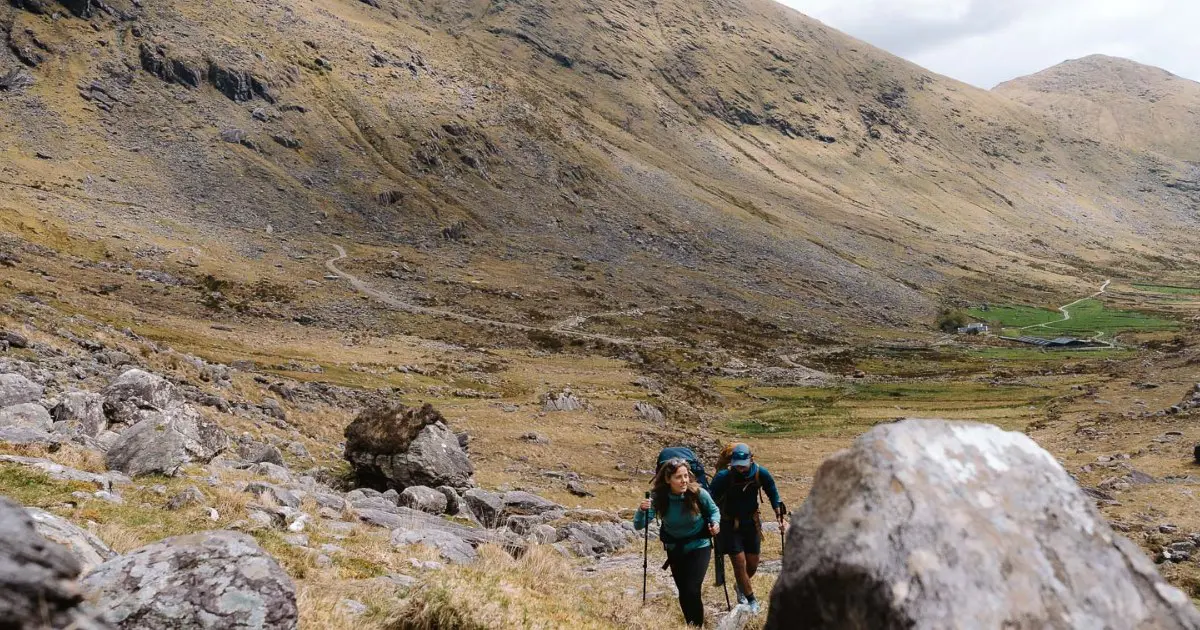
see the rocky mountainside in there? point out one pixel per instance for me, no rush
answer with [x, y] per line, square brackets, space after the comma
[1118, 101]
[530, 161]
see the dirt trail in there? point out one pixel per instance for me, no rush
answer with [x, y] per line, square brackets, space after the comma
[576, 321]
[401, 305]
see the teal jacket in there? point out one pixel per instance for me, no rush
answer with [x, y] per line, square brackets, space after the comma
[680, 523]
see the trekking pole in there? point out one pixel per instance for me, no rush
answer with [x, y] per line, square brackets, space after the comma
[720, 571]
[646, 552]
[782, 538]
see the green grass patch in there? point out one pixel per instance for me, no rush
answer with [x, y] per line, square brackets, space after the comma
[852, 410]
[1168, 289]
[1088, 318]
[1015, 316]
[1040, 355]
[34, 488]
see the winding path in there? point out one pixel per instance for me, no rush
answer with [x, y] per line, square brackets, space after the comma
[1066, 314]
[392, 301]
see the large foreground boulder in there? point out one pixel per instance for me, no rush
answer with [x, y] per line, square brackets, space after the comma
[930, 524]
[138, 390]
[210, 580]
[87, 549]
[37, 577]
[397, 447]
[162, 442]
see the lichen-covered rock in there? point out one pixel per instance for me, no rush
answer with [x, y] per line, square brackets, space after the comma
[210, 580]
[162, 442]
[25, 416]
[16, 390]
[398, 447]
[37, 577]
[80, 413]
[138, 390]
[89, 550]
[930, 524]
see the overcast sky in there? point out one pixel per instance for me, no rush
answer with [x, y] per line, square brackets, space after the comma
[985, 42]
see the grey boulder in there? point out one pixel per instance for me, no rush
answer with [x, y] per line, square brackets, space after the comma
[209, 580]
[931, 524]
[527, 503]
[433, 458]
[16, 390]
[26, 416]
[259, 453]
[487, 507]
[80, 413]
[87, 549]
[162, 442]
[138, 390]
[453, 501]
[423, 498]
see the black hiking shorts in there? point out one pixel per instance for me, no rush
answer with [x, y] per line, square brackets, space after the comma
[741, 539]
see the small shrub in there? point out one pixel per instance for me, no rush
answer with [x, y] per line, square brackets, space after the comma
[951, 319]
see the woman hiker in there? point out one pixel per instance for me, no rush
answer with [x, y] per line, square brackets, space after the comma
[689, 519]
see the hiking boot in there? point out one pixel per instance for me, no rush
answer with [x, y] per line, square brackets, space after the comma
[754, 608]
[741, 597]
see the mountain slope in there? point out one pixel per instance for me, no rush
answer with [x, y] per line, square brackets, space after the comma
[1119, 101]
[574, 154]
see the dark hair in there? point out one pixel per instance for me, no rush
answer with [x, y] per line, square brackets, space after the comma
[662, 488]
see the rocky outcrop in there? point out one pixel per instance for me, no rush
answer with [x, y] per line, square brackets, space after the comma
[37, 577]
[162, 442]
[398, 447]
[564, 400]
[173, 66]
[17, 390]
[138, 390]
[649, 412]
[87, 549]
[215, 579]
[930, 524]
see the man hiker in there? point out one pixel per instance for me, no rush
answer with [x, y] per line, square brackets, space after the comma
[735, 490]
[689, 519]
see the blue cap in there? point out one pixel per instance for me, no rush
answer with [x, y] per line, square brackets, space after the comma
[741, 456]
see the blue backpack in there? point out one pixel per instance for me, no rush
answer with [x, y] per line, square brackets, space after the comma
[688, 455]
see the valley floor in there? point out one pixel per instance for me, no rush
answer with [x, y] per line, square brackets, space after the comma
[1097, 411]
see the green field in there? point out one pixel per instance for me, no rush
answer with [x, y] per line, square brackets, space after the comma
[851, 410]
[1167, 289]
[1087, 318]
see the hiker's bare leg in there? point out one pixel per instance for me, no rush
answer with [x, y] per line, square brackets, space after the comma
[751, 564]
[739, 573]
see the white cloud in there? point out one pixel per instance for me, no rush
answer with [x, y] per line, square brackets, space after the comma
[984, 42]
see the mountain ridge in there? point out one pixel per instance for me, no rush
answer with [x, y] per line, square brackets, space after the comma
[735, 153]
